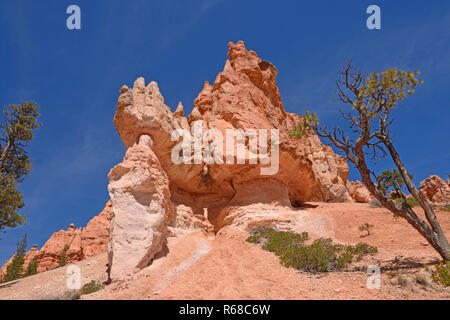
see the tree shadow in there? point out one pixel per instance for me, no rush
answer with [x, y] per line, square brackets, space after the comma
[304, 205]
[409, 263]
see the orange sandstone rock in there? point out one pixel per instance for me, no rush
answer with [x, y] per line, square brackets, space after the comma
[435, 189]
[359, 192]
[82, 243]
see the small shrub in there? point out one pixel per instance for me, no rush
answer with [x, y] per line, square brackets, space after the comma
[411, 201]
[91, 287]
[422, 279]
[442, 274]
[320, 256]
[14, 270]
[402, 280]
[446, 208]
[365, 227]
[70, 295]
[374, 203]
[362, 249]
[62, 258]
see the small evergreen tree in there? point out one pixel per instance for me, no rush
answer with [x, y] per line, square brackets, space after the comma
[14, 270]
[391, 179]
[32, 267]
[372, 100]
[62, 258]
[17, 125]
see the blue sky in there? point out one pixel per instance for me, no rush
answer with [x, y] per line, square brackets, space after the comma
[75, 77]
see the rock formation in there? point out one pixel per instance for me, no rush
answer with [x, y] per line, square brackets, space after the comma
[139, 191]
[359, 192]
[435, 189]
[149, 189]
[81, 243]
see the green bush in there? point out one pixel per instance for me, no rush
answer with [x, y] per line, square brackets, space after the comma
[91, 287]
[365, 227]
[320, 256]
[411, 201]
[14, 270]
[70, 295]
[442, 274]
[402, 280]
[374, 203]
[422, 279]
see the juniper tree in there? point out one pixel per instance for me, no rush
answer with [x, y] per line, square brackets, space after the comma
[17, 125]
[32, 267]
[14, 270]
[62, 257]
[391, 179]
[372, 100]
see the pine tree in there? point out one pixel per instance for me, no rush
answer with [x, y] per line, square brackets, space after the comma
[14, 270]
[16, 131]
[372, 99]
[32, 267]
[62, 257]
[391, 179]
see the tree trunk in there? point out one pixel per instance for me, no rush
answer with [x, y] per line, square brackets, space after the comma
[437, 236]
[4, 152]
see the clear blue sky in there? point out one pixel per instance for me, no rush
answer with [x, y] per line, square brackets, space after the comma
[75, 77]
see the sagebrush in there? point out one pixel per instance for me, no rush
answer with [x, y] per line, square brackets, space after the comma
[321, 256]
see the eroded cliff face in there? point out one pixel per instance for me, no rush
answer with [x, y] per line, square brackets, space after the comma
[153, 195]
[81, 243]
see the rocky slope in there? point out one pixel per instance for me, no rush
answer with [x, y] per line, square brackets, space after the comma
[225, 266]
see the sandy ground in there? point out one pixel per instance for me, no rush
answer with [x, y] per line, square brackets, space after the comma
[227, 267]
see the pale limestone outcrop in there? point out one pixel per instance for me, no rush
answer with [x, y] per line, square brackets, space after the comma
[139, 191]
